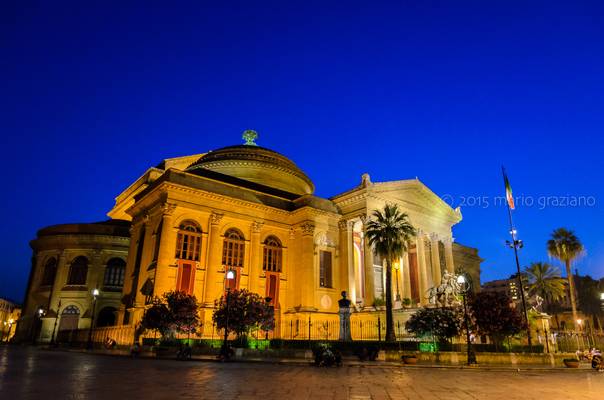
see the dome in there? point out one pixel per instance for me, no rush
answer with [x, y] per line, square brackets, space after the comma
[256, 164]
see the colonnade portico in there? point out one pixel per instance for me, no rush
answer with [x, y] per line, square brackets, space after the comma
[359, 274]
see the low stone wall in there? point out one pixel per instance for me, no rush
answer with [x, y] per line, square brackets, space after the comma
[458, 358]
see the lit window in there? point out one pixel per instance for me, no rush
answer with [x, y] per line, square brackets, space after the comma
[272, 255]
[188, 241]
[233, 249]
[325, 269]
[78, 271]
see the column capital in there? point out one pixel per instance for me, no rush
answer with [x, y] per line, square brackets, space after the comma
[434, 236]
[308, 228]
[363, 218]
[257, 226]
[215, 218]
[168, 209]
[343, 224]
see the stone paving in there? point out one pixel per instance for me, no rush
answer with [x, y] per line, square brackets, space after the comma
[28, 373]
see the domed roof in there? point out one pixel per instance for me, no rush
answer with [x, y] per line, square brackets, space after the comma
[256, 164]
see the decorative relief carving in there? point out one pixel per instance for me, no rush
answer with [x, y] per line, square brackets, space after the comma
[292, 233]
[215, 218]
[324, 240]
[343, 224]
[257, 226]
[308, 228]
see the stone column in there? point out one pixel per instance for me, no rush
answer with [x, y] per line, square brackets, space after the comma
[346, 272]
[59, 282]
[306, 278]
[435, 260]
[405, 276]
[55, 292]
[255, 256]
[421, 259]
[449, 255]
[369, 272]
[96, 271]
[167, 251]
[215, 261]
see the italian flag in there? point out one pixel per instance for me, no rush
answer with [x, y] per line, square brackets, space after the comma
[508, 190]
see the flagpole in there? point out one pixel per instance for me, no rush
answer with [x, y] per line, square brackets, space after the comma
[516, 244]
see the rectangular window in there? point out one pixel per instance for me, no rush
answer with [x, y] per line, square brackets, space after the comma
[325, 269]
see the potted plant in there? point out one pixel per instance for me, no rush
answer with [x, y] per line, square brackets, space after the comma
[379, 303]
[571, 362]
[407, 302]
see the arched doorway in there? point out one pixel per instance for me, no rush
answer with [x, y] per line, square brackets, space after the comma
[70, 317]
[106, 317]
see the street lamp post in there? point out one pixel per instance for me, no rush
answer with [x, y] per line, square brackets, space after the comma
[464, 288]
[397, 267]
[95, 294]
[37, 324]
[225, 347]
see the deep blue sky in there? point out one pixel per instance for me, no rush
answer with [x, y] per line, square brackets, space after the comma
[92, 95]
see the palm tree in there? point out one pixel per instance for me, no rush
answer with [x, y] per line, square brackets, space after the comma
[388, 232]
[566, 247]
[545, 281]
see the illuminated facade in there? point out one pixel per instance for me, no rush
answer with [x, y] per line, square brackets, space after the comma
[253, 211]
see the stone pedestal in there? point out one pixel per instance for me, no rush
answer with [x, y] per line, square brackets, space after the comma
[344, 314]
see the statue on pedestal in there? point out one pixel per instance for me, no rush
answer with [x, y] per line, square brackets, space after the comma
[344, 314]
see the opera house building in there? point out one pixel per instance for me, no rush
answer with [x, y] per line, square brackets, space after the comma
[187, 221]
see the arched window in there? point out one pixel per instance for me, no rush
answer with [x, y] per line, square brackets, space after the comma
[271, 264]
[50, 271]
[114, 273]
[233, 249]
[272, 255]
[188, 241]
[106, 317]
[78, 271]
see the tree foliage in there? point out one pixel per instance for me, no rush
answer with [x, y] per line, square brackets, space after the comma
[494, 315]
[545, 281]
[388, 232]
[443, 323]
[566, 247]
[247, 311]
[175, 312]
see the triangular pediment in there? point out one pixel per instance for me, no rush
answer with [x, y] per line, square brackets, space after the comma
[416, 194]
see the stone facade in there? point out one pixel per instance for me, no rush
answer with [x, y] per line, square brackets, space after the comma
[251, 210]
[68, 262]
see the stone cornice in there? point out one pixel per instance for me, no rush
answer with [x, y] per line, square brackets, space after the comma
[202, 194]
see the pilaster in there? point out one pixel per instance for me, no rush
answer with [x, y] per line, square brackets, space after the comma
[255, 256]
[213, 291]
[421, 259]
[167, 250]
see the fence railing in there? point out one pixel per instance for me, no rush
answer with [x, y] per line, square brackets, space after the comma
[122, 334]
[369, 328]
[570, 342]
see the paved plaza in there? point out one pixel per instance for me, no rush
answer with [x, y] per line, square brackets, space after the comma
[27, 373]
